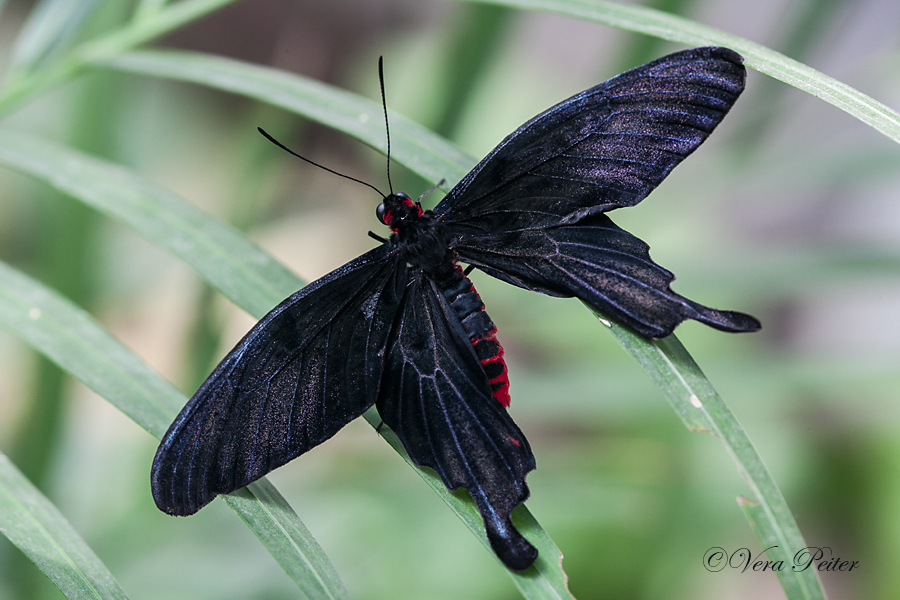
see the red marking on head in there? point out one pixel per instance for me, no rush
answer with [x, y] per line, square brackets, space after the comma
[389, 214]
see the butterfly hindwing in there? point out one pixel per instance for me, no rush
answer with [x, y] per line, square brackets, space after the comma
[601, 264]
[305, 370]
[437, 398]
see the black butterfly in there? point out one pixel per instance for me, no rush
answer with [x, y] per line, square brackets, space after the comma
[401, 327]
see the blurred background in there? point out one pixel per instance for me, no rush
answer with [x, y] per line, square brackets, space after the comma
[789, 212]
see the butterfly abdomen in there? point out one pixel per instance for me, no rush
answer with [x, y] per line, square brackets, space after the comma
[468, 306]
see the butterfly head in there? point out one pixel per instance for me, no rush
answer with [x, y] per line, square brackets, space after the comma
[396, 209]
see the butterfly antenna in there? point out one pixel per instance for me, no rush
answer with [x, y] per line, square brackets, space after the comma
[422, 197]
[386, 126]
[315, 164]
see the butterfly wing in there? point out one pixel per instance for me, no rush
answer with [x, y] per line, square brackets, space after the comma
[604, 148]
[601, 264]
[437, 399]
[305, 370]
[532, 212]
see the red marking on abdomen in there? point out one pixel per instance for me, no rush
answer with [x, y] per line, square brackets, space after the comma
[467, 304]
[494, 365]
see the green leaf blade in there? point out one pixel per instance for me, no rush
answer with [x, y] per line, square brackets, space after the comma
[147, 9]
[678, 29]
[80, 346]
[140, 31]
[73, 340]
[701, 408]
[412, 145]
[545, 579]
[232, 262]
[49, 26]
[269, 516]
[35, 526]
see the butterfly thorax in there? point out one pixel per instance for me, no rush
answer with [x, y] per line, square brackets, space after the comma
[417, 235]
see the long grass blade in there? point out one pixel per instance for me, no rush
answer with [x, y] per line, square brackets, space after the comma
[414, 146]
[35, 526]
[79, 345]
[545, 579]
[694, 399]
[633, 17]
[230, 261]
[50, 25]
[148, 8]
[134, 34]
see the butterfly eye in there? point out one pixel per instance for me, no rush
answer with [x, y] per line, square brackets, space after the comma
[380, 213]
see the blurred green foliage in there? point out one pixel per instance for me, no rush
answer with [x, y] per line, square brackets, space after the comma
[788, 212]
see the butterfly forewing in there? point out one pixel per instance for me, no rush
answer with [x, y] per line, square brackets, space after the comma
[437, 399]
[606, 147]
[309, 367]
